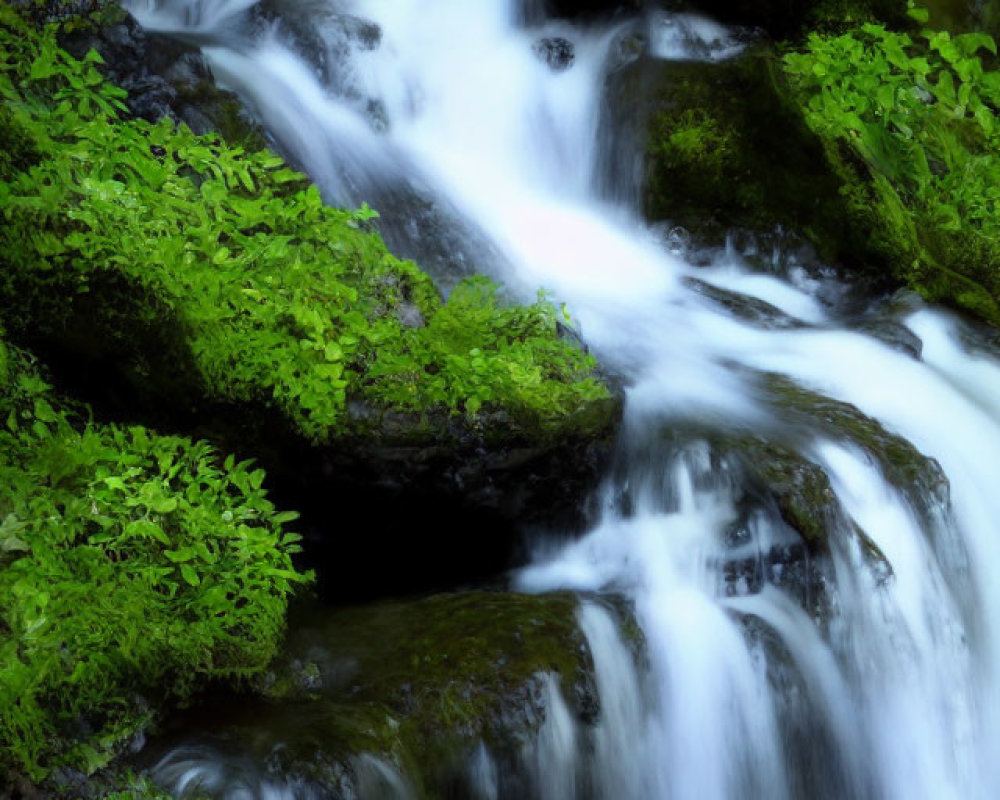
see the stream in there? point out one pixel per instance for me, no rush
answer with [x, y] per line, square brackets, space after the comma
[864, 666]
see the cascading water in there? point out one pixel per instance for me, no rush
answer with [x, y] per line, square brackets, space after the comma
[872, 672]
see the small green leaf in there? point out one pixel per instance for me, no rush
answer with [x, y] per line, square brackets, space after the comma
[190, 575]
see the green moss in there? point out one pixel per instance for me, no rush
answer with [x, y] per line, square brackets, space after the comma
[419, 683]
[902, 464]
[205, 272]
[725, 151]
[133, 567]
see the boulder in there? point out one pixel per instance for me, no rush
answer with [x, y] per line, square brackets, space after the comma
[423, 691]
[708, 134]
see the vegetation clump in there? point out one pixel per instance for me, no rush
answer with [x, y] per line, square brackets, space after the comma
[201, 271]
[133, 567]
[910, 125]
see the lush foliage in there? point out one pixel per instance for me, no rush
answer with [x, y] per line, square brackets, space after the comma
[130, 563]
[911, 125]
[149, 242]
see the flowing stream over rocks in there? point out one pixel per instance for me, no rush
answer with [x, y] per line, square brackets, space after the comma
[803, 511]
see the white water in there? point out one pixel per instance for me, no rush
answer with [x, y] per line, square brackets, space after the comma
[896, 693]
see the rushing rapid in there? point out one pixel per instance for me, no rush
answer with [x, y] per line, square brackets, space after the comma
[880, 680]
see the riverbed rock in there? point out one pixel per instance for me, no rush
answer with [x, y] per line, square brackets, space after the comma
[422, 688]
[749, 309]
[557, 52]
[919, 477]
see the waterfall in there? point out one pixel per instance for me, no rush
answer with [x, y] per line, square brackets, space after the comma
[861, 676]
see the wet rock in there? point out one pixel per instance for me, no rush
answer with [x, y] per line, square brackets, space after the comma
[749, 309]
[420, 687]
[920, 478]
[815, 760]
[446, 505]
[325, 37]
[591, 9]
[165, 77]
[894, 334]
[706, 133]
[555, 51]
[782, 19]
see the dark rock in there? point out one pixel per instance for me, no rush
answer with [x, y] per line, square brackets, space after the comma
[783, 19]
[166, 77]
[749, 309]
[813, 755]
[555, 51]
[590, 9]
[894, 334]
[421, 686]
[445, 505]
[324, 36]
[920, 478]
[705, 133]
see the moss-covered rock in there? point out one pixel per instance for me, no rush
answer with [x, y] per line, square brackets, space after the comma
[177, 279]
[724, 150]
[420, 685]
[919, 477]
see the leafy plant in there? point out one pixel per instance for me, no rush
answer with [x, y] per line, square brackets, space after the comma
[133, 567]
[168, 242]
[911, 124]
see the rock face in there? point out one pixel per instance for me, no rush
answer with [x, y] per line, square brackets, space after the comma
[443, 510]
[555, 51]
[707, 134]
[782, 19]
[164, 78]
[588, 9]
[432, 691]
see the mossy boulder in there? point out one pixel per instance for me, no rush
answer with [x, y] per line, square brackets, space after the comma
[186, 282]
[919, 477]
[724, 150]
[421, 685]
